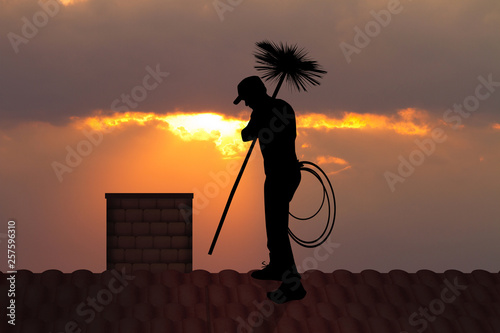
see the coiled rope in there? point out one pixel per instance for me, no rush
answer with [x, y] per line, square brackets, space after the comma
[328, 196]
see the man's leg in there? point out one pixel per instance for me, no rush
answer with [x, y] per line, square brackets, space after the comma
[278, 242]
[278, 191]
[291, 287]
[276, 209]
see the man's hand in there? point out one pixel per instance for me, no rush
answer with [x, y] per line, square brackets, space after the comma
[246, 135]
[250, 132]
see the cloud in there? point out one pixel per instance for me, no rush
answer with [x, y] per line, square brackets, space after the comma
[219, 129]
[409, 121]
[330, 159]
[436, 204]
[224, 131]
[93, 51]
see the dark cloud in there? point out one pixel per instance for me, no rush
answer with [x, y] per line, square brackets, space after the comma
[87, 55]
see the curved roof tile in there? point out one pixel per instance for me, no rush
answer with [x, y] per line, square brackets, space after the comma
[229, 301]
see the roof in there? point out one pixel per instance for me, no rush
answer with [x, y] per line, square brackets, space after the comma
[228, 301]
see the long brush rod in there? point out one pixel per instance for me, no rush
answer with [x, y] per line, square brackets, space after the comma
[228, 203]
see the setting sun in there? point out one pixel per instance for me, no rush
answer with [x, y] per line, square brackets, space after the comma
[224, 131]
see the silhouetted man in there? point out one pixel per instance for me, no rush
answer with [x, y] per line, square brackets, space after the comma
[273, 122]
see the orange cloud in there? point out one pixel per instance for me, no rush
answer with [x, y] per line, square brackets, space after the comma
[333, 160]
[69, 2]
[407, 122]
[330, 159]
[338, 171]
[224, 131]
[496, 126]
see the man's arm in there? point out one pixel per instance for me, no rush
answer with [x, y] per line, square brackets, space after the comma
[251, 131]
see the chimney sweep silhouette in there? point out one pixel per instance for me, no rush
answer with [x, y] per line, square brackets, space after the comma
[273, 122]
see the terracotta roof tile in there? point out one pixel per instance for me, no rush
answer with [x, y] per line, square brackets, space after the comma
[229, 278]
[320, 325]
[470, 324]
[339, 302]
[34, 296]
[496, 307]
[82, 278]
[193, 325]
[423, 294]
[201, 278]
[222, 325]
[291, 325]
[219, 295]
[358, 311]
[52, 278]
[130, 325]
[67, 295]
[171, 278]
[248, 293]
[382, 325]
[374, 278]
[494, 322]
[396, 295]
[144, 312]
[327, 311]
[367, 295]
[336, 294]
[315, 277]
[348, 324]
[49, 313]
[294, 310]
[345, 278]
[112, 312]
[401, 278]
[387, 311]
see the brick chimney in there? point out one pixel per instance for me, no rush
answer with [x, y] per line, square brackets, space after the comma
[150, 231]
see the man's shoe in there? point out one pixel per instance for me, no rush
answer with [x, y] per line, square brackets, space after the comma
[269, 272]
[287, 292]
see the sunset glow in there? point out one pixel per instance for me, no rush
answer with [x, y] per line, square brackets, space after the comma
[137, 97]
[408, 122]
[224, 131]
[330, 159]
[69, 2]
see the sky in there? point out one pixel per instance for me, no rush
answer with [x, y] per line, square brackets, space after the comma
[136, 97]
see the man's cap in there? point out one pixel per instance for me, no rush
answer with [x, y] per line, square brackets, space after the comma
[251, 85]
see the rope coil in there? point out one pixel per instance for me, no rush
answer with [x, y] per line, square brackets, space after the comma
[329, 195]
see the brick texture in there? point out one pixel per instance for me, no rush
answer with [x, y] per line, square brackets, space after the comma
[149, 231]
